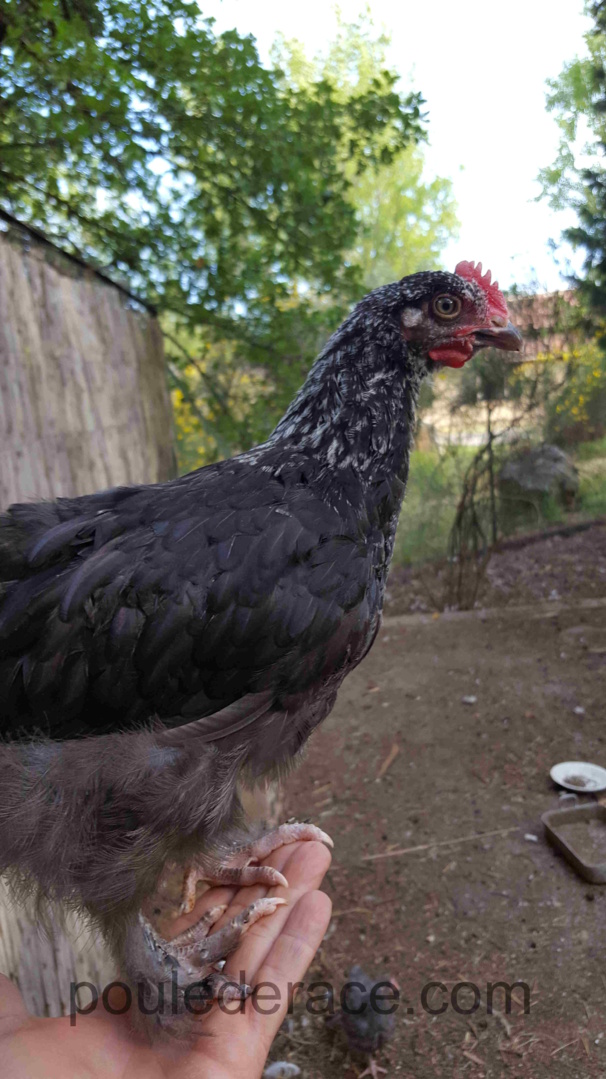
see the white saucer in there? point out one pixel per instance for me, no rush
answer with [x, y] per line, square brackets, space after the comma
[579, 776]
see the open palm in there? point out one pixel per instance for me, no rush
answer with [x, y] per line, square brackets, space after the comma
[277, 950]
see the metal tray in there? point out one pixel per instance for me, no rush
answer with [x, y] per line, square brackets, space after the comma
[554, 818]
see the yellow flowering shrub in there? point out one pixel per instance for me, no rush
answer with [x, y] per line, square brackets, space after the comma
[577, 412]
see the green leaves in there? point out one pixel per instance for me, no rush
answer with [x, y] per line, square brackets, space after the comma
[172, 156]
[403, 221]
[232, 196]
[577, 179]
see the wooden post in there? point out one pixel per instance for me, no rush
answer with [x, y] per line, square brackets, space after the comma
[83, 406]
[48, 967]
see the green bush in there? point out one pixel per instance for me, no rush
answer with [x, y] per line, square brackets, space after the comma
[589, 451]
[592, 492]
[434, 489]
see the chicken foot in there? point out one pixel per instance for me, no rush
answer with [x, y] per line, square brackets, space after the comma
[239, 869]
[180, 978]
[372, 1070]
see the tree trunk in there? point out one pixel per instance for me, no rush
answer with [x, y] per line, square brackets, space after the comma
[83, 405]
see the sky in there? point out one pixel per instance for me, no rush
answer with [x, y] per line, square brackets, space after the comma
[482, 68]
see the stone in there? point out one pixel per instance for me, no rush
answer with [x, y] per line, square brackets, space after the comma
[539, 471]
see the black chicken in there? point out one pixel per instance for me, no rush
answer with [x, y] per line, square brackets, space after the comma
[159, 643]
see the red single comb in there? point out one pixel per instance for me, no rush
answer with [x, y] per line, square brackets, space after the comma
[470, 272]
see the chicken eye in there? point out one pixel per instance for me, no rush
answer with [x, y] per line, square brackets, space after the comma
[446, 306]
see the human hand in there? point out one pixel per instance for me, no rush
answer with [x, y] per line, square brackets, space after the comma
[277, 949]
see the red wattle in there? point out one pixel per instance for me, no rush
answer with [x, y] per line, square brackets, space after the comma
[454, 354]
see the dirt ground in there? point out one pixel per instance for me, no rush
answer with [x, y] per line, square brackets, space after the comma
[448, 730]
[550, 568]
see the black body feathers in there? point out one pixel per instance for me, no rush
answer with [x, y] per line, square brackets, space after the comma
[259, 577]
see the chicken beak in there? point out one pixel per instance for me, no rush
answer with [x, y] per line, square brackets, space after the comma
[505, 337]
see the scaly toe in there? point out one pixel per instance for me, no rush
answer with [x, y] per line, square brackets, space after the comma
[200, 929]
[239, 869]
[262, 908]
[284, 835]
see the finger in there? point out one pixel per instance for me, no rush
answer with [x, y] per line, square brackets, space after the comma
[287, 962]
[255, 1022]
[304, 865]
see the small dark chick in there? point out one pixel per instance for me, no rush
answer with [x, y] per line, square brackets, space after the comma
[367, 1015]
[161, 645]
